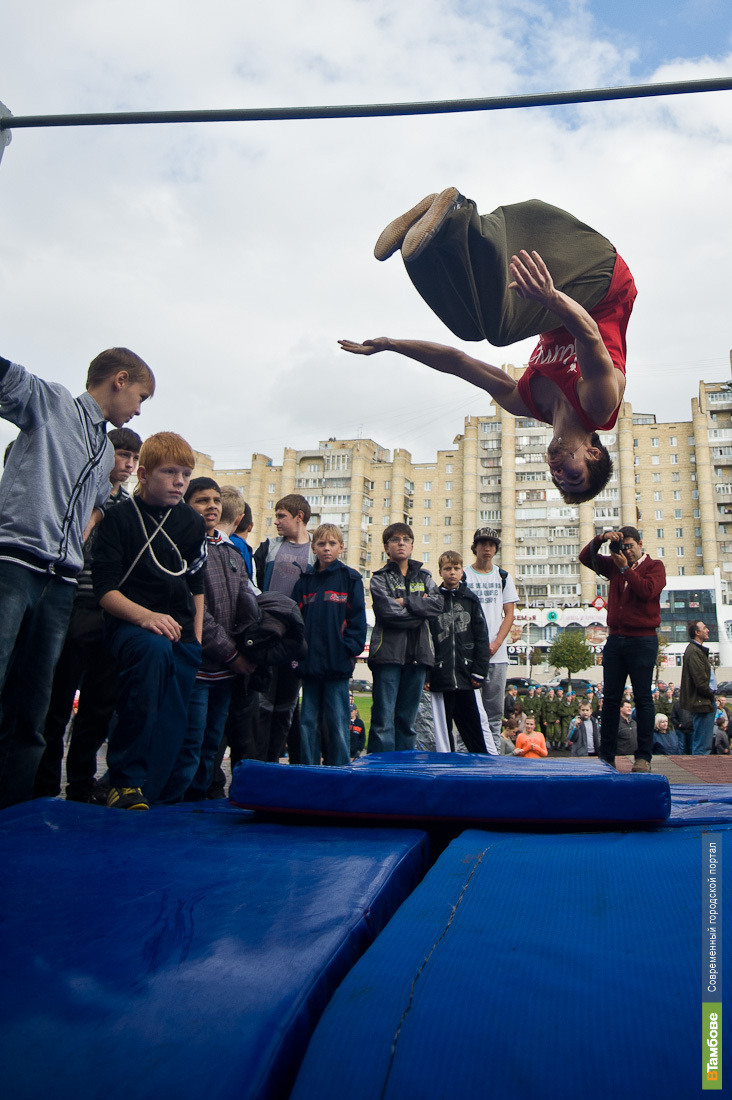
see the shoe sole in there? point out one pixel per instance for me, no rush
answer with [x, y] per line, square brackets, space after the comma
[426, 229]
[395, 232]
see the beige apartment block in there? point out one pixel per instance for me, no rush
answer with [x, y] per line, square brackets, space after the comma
[672, 480]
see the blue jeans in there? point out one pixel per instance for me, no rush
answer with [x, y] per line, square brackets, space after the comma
[156, 681]
[325, 703]
[194, 768]
[701, 740]
[396, 696]
[624, 656]
[36, 609]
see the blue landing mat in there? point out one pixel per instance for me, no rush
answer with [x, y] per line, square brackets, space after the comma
[529, 967]
[424, 786]
[700, 804]
[179, 954]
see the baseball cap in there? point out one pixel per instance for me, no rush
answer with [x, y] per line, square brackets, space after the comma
[486, 534]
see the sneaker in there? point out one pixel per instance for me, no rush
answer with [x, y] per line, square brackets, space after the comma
[641, 765]
[127, 798]
[392, 237]
[426, 229]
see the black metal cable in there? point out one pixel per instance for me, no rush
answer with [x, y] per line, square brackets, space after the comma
[435, 107]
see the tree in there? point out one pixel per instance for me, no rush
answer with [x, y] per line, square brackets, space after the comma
[662, 647]
[570, 650]
[537, 656]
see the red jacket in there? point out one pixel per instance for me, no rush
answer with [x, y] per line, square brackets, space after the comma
[634, 606]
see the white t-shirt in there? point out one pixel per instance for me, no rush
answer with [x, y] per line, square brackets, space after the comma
[492, 595]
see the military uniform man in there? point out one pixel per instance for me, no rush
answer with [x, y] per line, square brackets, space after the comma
[531, 703]
[551, 720]
[568, 709]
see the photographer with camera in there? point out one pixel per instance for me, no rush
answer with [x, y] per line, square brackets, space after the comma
[633, 616]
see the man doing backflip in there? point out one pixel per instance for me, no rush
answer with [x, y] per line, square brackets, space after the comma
[573, 290]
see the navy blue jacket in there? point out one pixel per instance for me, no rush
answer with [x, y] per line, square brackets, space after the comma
[332, 604]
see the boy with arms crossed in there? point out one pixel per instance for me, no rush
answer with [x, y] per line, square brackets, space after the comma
[404, 598]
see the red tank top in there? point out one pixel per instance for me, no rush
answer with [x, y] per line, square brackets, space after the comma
[555, 357]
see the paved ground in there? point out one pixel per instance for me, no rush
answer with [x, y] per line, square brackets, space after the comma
[677, 769]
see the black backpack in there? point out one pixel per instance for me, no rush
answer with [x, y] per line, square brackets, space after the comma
[278, 635]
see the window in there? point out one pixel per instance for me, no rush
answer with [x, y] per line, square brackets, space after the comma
[448, 502]
[677, 494]
[448, 468]
[698, 551]
[682, 571]
[428, 502]
[659, 533]
[447, 540]
[448, 521]
[448, 486]
[426, 540]
[426, 521]
[658, 495]
[660, 553]
[387, 485]
[427, 486]
[679, 551]
[426, 557]
[676, 476]
[271, 487]
[269, 521]
[385, 521]
[695, 496]
[655, 460]
[313, 468]
[696, 513]
[658, 514]
[673, 442]
[697, 532]
[677, 513]
[674, 460]
[679, 532]
[637, 479]
[656, 478]
[270, 504]
[654, 441]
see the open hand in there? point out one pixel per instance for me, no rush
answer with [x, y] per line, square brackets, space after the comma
[368, 347]
[531, 278]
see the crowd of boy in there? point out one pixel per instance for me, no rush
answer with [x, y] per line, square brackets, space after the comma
[147, 603]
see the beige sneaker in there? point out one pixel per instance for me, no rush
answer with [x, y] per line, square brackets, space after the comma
[641, 765]
[426, 229]
[395, 232]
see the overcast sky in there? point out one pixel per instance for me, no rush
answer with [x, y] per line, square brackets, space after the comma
[232, 256]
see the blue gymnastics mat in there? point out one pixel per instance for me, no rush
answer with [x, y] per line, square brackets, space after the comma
[424, 786]
[529, 967]
[700, 804]
[177, 953]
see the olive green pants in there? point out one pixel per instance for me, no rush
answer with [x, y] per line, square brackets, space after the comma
[463, 275]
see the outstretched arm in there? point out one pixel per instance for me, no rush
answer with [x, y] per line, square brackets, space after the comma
[604, 385]
[449, 361]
